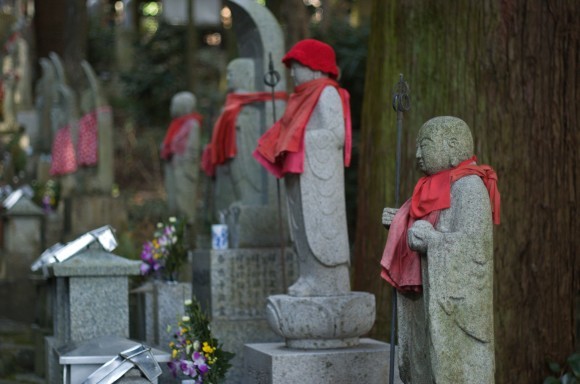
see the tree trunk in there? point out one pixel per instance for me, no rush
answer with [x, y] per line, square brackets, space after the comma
[61, 27]
[510, 70]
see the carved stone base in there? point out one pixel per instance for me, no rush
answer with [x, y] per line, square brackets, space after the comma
[273, 363]
[321, 322]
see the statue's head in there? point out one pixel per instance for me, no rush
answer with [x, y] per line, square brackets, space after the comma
[241, 75]
[443, 142]
[310, 59]
[182, 103]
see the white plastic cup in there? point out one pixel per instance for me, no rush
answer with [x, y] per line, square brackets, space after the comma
[219, 236]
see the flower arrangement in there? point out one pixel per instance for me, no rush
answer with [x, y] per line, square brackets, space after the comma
[164, 255]
[195, 353]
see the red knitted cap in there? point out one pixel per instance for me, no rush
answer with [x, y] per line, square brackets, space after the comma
[314, 54]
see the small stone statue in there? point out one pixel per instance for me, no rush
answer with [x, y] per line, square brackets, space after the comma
[444, 276]
[180, 150]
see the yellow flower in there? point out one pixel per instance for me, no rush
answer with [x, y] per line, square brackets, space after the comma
[171, 344]
[207, 348]
[174, 353]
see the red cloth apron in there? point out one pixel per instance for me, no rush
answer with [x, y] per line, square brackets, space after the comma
[88, 142]
[63, 153]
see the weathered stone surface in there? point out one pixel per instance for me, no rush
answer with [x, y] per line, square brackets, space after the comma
[232, 286]
[316, 201]
[90, 299]
[273, 363]
[234, 283]
[164, 306]
[321, 321]
[446, 333]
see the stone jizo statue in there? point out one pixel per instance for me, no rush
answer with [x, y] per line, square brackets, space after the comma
[439, 256]
[180, 150]
[310, 146]
[313, 168]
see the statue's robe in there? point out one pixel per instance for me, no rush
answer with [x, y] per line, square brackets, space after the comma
[182, 169]
[316, 200]
[446, 332]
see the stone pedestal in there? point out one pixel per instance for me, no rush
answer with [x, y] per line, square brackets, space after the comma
[163, 305]
[90, 295]
[274, 363]
[232, 285]
[320, 322]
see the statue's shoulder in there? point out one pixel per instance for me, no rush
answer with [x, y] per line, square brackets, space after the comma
[329, 104]
[330, 94]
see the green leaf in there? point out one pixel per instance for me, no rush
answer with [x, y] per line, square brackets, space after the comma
[574, 363]
[551, 380]
[554, 367]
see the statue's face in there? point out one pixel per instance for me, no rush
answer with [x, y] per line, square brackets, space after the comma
[302, 74]
[433, 150]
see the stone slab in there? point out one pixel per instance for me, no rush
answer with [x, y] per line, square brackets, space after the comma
[96, 262]
[163, 306]
[273, 363]
[234, 334]
[98, 306]
[235, 283]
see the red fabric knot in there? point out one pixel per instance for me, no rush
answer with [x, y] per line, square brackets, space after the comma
[281, 149]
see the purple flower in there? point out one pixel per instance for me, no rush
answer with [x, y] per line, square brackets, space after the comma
[145, 268]
[188, 368]
[156, 266]
[147, 252]
[172, 367]
[200, 363]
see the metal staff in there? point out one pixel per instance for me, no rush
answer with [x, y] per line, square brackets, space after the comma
[401, 103]
[271, 79]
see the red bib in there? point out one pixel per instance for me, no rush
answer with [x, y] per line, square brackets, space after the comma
[401, 266]
[281, 149]
[168, 148]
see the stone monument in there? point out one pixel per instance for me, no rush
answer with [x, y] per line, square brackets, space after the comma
[309, 146]
[444, 276]
[90, 292]
[181, 150]
[233, 284]
[21, 240]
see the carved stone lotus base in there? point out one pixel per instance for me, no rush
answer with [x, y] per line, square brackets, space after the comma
[321, 322]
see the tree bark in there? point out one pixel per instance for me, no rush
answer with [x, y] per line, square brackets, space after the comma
[510, 70]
